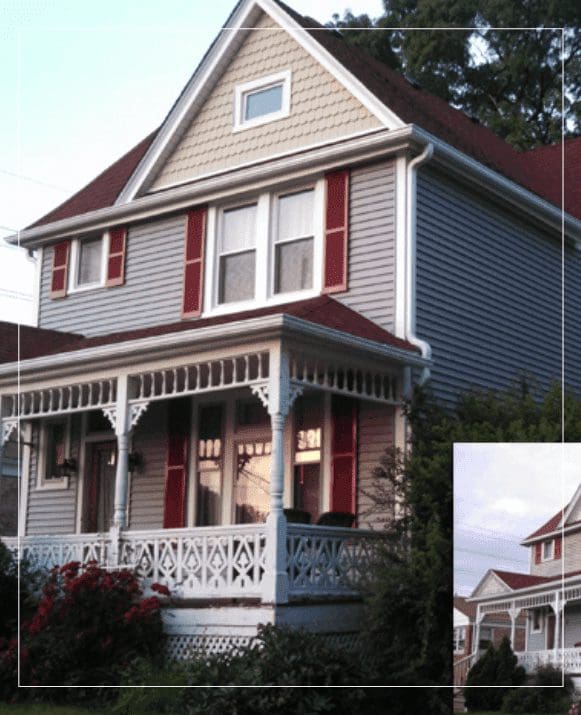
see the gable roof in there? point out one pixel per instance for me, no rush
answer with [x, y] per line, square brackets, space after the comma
[538, 170]
[515, 580]
[321, 310]
[548, 527]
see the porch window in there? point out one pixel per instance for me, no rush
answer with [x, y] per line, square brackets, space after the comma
[294, 242]
[548, 550]
[307, 455]
[53, 448]
[485, 638]
[537, 621]
[237, 254]
[252, 489]
[459, 640]
[210, 453]
[87, 262]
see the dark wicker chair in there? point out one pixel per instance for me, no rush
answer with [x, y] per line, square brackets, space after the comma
[297, 516]
[336, 518]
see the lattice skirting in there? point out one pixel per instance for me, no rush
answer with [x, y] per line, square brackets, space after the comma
[184, 646]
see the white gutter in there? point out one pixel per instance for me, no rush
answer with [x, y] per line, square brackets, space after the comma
[520, 592]
[238, 331]
[410, 327]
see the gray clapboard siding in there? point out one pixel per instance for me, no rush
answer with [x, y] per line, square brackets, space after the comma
[489, 293]
[151, 295]
[376, 433]
[53, 511]
[572, 626]
[372, 243]
[147, 483]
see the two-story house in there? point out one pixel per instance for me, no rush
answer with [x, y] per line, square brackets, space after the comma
[549, 595]
[231, 314]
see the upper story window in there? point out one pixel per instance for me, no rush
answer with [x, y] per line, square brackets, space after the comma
[88, 264]
[548, 550]
[266, 250]
[262, 100]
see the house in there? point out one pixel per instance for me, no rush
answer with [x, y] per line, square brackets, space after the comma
[549, 595]
[231, 314]
[493, 628]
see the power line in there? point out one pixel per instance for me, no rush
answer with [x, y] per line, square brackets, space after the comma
[35, 181]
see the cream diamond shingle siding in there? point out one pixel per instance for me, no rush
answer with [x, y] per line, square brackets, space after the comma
[321, 109]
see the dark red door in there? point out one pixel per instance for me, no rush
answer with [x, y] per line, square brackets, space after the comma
[101, 458]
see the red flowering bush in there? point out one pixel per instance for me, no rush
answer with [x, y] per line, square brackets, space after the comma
[89, 625]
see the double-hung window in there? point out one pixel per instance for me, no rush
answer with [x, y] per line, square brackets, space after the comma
[237, 254]
[54, 448]
[294, 242]
[267, 249]
[87, 263]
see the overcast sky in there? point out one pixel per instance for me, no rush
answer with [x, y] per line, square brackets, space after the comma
[502, 493]
[82, 82]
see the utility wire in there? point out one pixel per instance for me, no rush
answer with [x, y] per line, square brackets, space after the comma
[35, 181]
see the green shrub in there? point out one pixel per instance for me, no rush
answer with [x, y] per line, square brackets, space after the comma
[497, 667]
[541, 699]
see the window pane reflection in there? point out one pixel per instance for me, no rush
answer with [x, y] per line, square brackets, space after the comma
[252, 488]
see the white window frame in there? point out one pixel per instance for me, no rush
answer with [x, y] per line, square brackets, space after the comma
[541, 622]
[42, 483]
[459, 637]
[265, 251]
[551, 550]
[241, 91]
[73, 286]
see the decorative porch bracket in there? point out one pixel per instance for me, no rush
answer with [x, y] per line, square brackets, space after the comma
[8, 427]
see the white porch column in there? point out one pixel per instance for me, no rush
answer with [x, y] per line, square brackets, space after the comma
[514, 613]
[276, 395]
[122, 432]
[477, 621]
[557, 608]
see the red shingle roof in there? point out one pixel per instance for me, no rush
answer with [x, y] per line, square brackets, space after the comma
[468, 609]
[33, 341]
[517, 581]
[548, 526]
[321, 310]
[538, 170]
[103, 190]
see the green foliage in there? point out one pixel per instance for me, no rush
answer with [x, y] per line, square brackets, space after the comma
[541, 699]
[279, 657]
[409, 611]
[510, 80]
[496, 667]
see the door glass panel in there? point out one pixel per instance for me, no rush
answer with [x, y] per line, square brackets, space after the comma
[210, 451]
[252, 488]
[101, 496]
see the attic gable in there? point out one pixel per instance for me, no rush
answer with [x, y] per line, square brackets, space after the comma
[490, 585]
[321, 110]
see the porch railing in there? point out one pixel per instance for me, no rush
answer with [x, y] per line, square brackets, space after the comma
[218, 561]
[329, 560]
[569, 658]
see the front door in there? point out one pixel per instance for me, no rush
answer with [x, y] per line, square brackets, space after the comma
[550, 631]
[101, 459]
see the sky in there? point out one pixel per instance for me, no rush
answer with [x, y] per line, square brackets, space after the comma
[83, 82]
[502, 493]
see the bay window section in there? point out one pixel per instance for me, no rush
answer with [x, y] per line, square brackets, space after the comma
[294, 242]
[210, 456]
[237, 254]
[307, 455]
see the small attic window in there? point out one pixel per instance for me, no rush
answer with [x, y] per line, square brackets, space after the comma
[262, 100]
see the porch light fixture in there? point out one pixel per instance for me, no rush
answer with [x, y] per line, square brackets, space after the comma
[134, 461]
[67, 466]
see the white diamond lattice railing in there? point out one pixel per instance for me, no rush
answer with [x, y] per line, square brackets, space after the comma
[567, 658]
[218, 561]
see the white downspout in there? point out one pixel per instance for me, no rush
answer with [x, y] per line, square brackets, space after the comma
[410, 313]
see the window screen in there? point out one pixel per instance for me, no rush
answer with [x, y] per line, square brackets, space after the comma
[237, 254]
[294, 240]
[90, 254]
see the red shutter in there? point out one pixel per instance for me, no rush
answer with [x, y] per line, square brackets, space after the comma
[116, 262]
[194, 262]
[178, 429]
[60, 266]
[344, 455]
[538, 552]
[336, 232]
[558, 547]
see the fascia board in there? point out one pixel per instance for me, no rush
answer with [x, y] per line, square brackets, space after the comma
[207, 73]
[333, 66]
[240, 332]
[557, 584]
[506, 189]
[294, 165]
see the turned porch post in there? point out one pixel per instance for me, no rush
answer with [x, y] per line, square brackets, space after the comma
[275, 583]
[514, 613]
[122, 432]
[557, 608]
